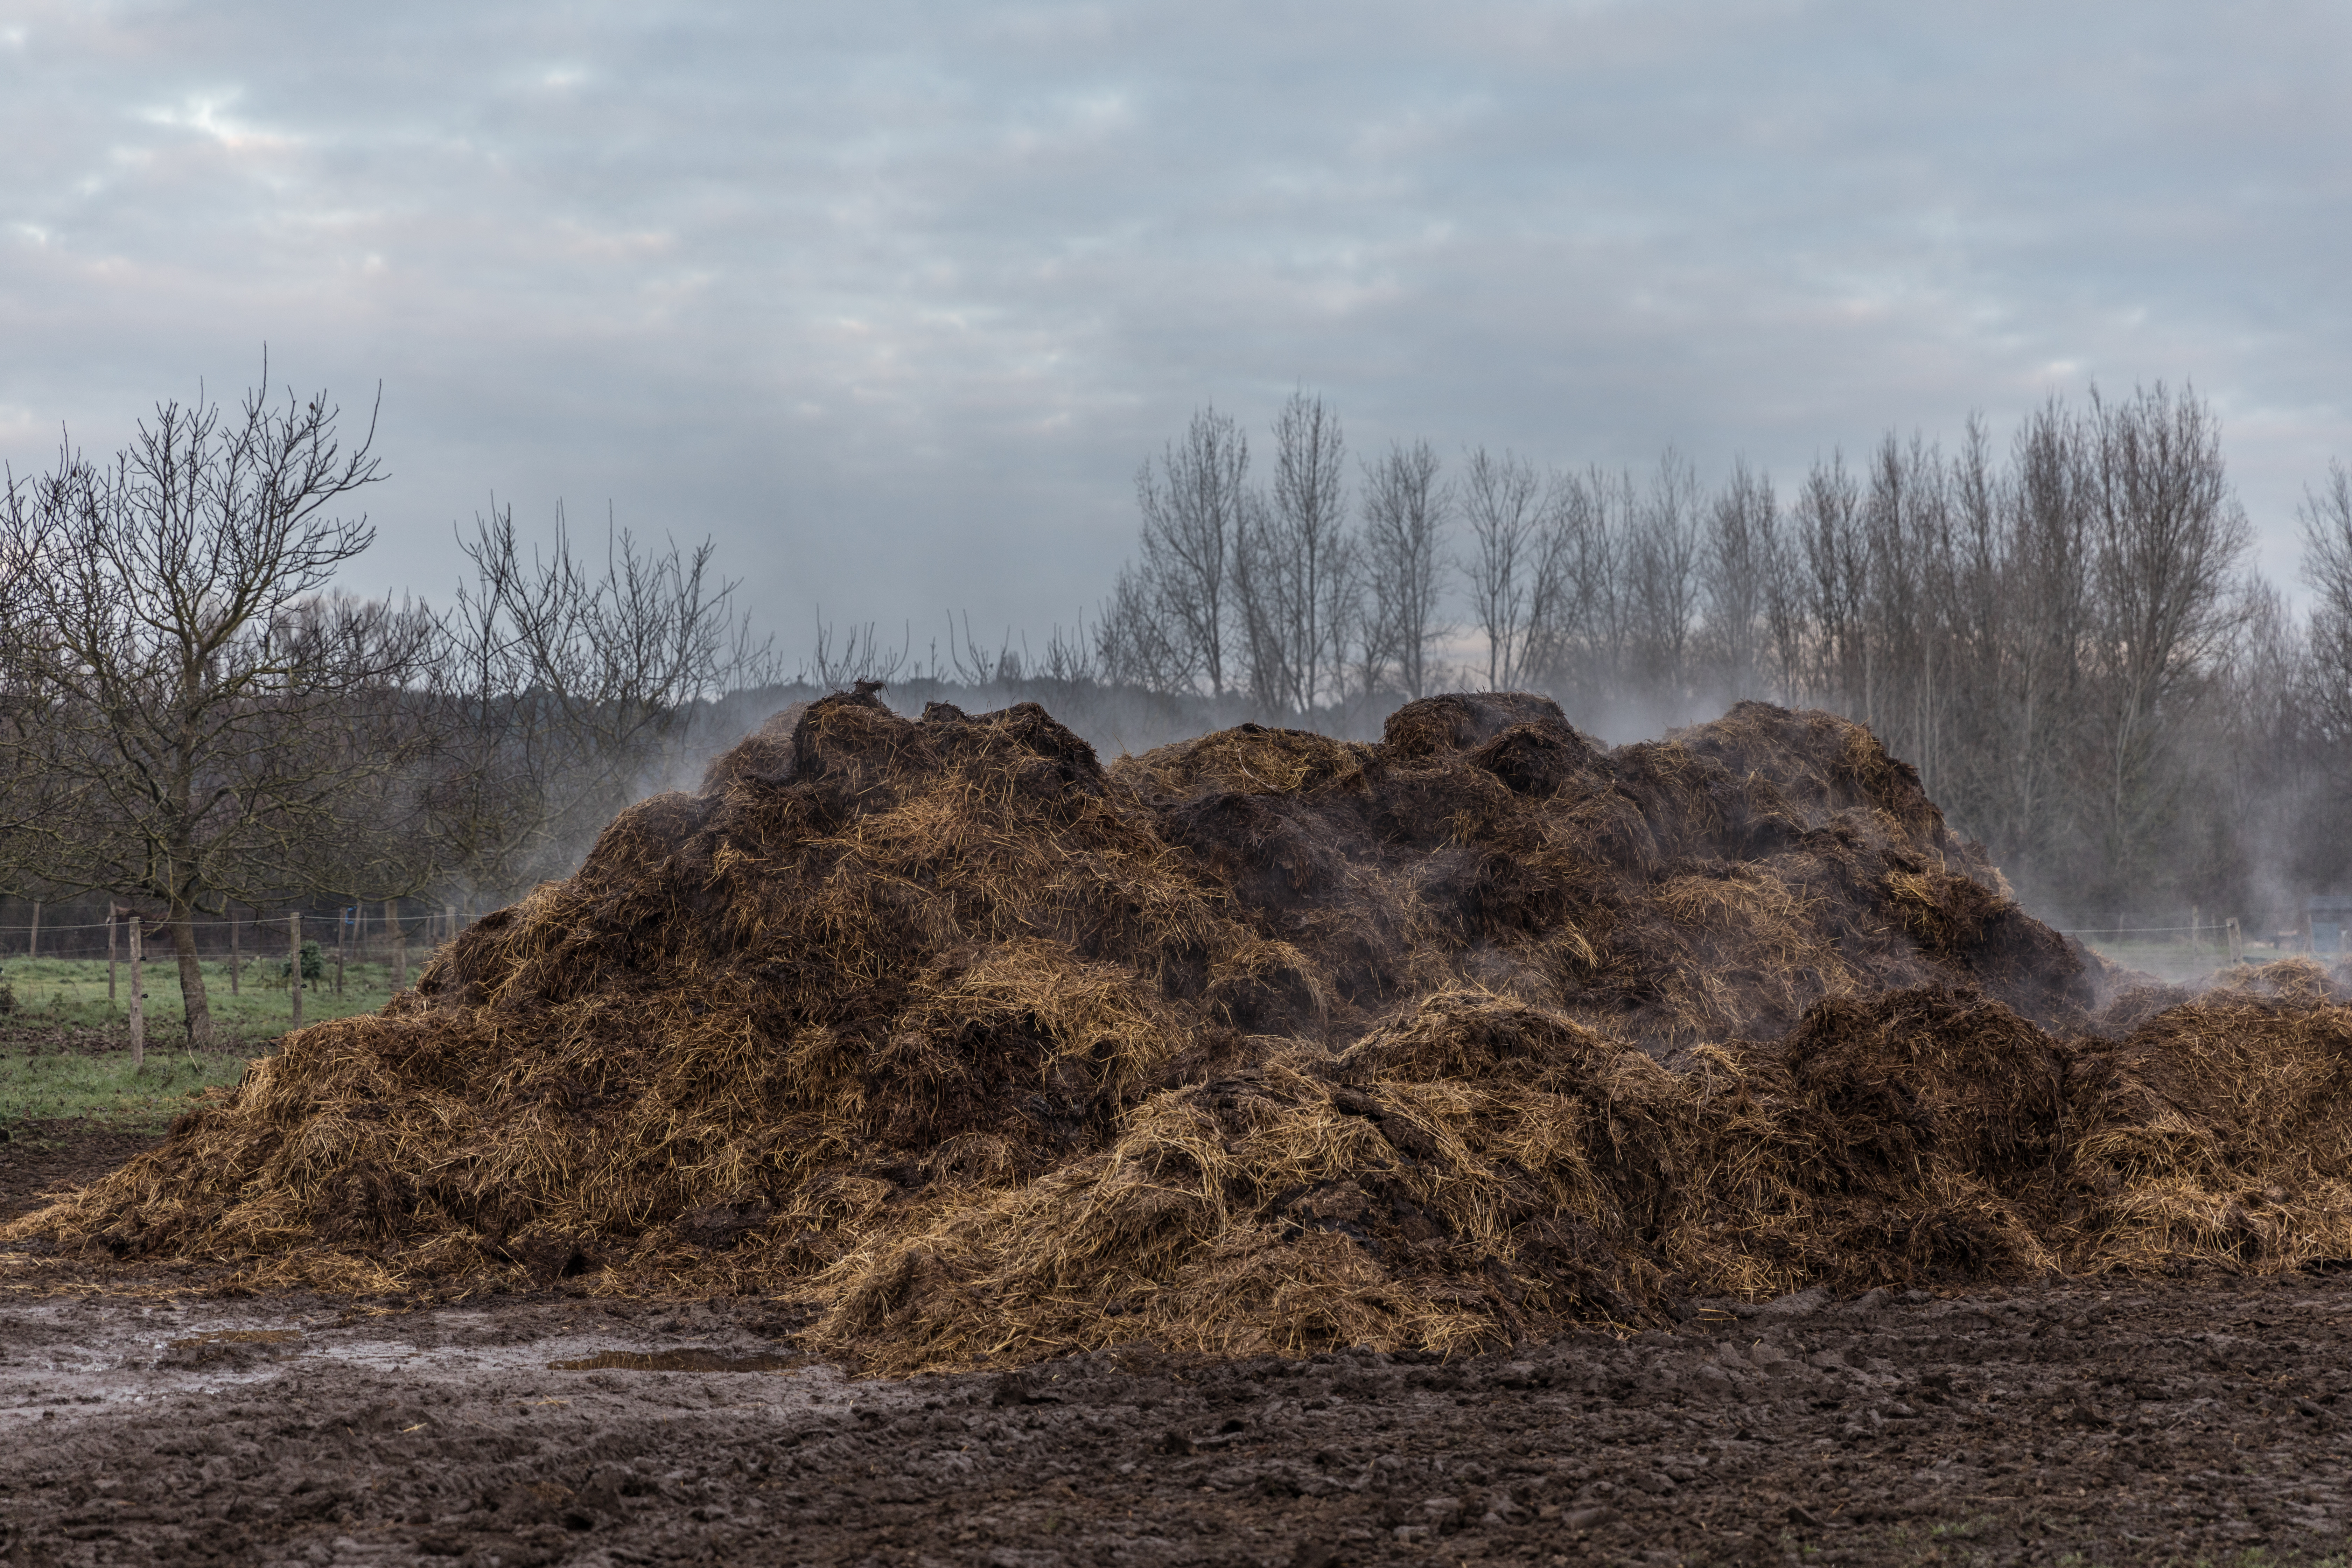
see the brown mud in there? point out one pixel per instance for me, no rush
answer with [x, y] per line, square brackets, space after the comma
[2164, 1422]
[43, 1156]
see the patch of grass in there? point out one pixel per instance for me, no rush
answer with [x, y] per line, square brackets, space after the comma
[99, 1087]
[71, 993]
[64, 1053]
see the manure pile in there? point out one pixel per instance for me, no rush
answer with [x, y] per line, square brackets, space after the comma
[1263, 1041]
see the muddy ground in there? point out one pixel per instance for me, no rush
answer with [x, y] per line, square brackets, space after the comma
[38, 1156]
[2121, 1421]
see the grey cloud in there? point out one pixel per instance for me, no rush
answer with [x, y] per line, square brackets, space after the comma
[893, 301]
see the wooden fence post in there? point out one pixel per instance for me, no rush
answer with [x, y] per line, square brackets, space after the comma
[342, 926]
[111, 923]
[33, 942]
[399, 945]
[138, 1006]
[232, 950]
[294, 947]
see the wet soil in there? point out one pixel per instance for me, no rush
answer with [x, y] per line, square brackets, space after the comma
[37, 1156]
[2124, 1421]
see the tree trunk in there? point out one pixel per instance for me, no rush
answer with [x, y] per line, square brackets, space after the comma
[192, 977]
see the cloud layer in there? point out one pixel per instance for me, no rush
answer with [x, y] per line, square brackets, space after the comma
[893, 301]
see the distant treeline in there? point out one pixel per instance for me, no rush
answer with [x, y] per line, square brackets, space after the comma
[2062, 632]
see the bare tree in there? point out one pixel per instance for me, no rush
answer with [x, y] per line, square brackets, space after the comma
[2169, 537]
[1736, 576]
[2263, 769]
[227, 733]
[1977, 623]
[1787, 633]
[1828, 526]
[1406, 510]
[1296, 573]
[1588, 629]
[1194, 510]
[1907, 542]
[566, 686]
[32, 802]
[1262, 572]
[1514, 565]
[1342, 627]
[1664, 569]
[2046, 592]
[1310, 504]
[1138, 641]
[2326, 516]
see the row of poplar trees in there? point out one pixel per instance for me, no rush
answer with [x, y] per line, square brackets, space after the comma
[2062, 631]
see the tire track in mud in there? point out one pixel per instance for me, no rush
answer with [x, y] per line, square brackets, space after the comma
[2142, 1422]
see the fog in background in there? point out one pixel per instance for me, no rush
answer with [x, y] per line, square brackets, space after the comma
[2061, 627]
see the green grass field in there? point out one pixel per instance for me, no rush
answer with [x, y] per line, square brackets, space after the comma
[64, 1045]
[72, 993]
[99, 1087]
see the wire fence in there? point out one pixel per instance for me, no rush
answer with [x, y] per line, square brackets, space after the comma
[279, 956]
[2214, 931]
[361, 926]
[353, 928]
[2227, 939]
[162, 923]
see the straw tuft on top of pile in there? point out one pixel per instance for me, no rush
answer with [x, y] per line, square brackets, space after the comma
[1261, 1041]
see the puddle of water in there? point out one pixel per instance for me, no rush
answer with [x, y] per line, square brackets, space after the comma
[239, 1336]
[674, 1360]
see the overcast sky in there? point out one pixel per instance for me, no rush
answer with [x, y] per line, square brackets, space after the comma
[892, 299]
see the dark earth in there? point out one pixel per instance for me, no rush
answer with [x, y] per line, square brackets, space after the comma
[2070, 1421]
[37, 1156]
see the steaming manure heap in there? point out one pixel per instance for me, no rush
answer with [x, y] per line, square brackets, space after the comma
[1263, 1041]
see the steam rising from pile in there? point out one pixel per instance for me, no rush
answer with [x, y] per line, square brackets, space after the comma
[1262, 1041]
